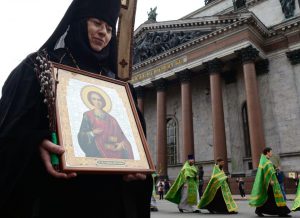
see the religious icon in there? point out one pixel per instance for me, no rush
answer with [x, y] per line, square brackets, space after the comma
[98, 124]
[100, 134]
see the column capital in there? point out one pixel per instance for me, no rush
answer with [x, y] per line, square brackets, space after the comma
[248, 54]
[262, 67]
[160, 84]
[140, 92]
[294, 56]
[214, 66]
[184, 76]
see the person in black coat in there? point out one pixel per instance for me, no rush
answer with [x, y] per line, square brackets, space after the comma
[241, 185]
[29, 185]
[201, 180]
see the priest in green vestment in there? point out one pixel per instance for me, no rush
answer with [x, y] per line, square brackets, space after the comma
[153, 204]
[217, 197]
[266, 194]
[296, 204]
[184, 190]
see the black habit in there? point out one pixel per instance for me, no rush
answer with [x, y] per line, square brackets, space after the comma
[26, 189]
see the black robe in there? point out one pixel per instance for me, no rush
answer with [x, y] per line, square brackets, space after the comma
[217, 205]
[270, 206]
[26, 189]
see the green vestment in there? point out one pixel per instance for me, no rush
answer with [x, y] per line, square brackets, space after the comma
[218, 180]
[296, 205]
[265, 174]
[188, 174]
[154, 175]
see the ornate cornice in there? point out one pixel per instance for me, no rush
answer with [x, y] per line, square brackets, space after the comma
[140, 92]
[214, 66]
[160, 84]
[155, 43]
[225, 25]
[184, 76]
[262, 67]
[248, 54]
[289, 25]
[231, 22]
[294, 56]
[193, 23]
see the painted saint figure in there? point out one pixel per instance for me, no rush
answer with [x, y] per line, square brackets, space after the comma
[100, 134]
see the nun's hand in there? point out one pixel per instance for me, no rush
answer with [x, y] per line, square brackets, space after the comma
[134, 176]
[47, 147]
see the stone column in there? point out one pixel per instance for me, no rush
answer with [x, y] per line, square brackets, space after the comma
[219, 137]
[161, 134]
[140, 93]
[187, 113]
[257, 139]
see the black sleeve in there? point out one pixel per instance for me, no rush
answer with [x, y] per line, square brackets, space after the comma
[23, 125]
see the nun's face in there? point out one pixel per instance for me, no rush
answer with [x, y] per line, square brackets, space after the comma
[99, 34]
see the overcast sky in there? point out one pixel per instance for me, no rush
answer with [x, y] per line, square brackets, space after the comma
[27, 24]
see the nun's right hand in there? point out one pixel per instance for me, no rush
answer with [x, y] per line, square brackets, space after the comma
[47, 147]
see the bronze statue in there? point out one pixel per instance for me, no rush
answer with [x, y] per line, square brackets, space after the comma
[288, 7]
[152, 14]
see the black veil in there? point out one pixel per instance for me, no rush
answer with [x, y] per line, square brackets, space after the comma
[80, 10]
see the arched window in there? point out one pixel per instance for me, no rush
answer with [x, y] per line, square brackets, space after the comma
[246, 130]
[172, 141]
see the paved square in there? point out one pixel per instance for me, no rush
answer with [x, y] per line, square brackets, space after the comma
[169, 210]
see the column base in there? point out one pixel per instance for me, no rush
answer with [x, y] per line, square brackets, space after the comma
[163, 177]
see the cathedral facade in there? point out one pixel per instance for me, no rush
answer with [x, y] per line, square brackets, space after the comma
[223, 81]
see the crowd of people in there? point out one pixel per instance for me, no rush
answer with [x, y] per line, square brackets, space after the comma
[217, 197]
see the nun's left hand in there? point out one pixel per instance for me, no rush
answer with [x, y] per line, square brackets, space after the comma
[134, 176]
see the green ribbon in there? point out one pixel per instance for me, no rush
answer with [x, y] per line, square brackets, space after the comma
[54, 157]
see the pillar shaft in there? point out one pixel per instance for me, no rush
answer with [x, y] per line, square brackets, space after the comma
[140, 93]
[248, 56]
[187, 113]
[162, 161]
[254, 113]
[219, 136]
[141, 104]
